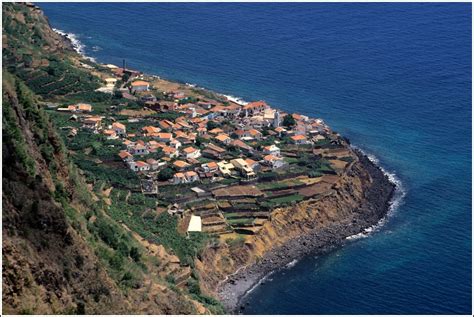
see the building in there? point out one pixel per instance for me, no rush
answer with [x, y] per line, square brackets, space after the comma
[223, 138]
[299, 139]
[83, 107]
[272, 149]
[110, 134]
[276, 119]
[242, 166]
[140, 149]
[110, 82]
[170, 152]
[142, 166]
[256, 107]
[125, 156]
[179, 178]
[164, 137]
[191, 152]
[180, 165]
[140, 85]
[225, 168]
[191, 176]
[195, 224]
[119, 129]
[273, 161]
[92, 122]
[154, 164]
[150, 131]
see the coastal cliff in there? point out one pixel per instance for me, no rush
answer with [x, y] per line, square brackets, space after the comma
[358, 200]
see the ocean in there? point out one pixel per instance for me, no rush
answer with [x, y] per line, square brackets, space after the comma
[395, 78]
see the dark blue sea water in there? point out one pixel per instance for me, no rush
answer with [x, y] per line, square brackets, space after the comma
[395, 78]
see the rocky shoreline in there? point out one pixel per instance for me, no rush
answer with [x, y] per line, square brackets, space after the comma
[375, 206]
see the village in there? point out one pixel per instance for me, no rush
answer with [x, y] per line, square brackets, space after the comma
[221, 165]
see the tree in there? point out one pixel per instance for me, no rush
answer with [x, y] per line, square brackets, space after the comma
[289, 121]
[212, 125]
[165, 174]
[135, 254]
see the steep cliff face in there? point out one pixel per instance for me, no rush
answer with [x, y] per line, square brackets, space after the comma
[62, 253]
[357, 200]
[47, 267]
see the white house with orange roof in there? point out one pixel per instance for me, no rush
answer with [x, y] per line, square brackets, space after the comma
[191, 152]
[191, 176]
[179, 178]
[140, 85]
[180, 165]
[165, 137]
[299, 139]
[119, 129]
[170, 152]
[125, 156]
[273, 161]
[223, 138]
[272, 149]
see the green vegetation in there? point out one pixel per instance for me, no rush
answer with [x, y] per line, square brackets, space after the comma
[285, 200]
[288, 121]
[139, 216]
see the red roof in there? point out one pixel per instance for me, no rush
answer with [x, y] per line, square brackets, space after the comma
[140, 83]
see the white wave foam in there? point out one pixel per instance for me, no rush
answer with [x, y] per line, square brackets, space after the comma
[263, 279]
[237, 100]
[292, 263]
[77, 45]
[394, 203]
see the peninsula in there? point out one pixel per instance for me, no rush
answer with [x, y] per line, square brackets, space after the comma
[165, 197]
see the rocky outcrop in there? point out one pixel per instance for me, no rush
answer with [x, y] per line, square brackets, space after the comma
[359, 199]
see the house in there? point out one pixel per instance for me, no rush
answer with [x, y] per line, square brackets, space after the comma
[140, 85]
[92, 122]
[150, 131]
[141, 166]
[241, 145]
[180, 165]
[164, 137]
[242, 166]
[110, 134]
[175, 143]
[195, 224]
[253, 164]
[255, 134]
[179, 178]
[110, 82]
[281, 131]
[216, 131]
[125, 156]
[170, 152]
[187, 177]
[191, 176]
[223, 138]
[273, 161]
[191, 152]
[140, 149]
[256, 107]
[83, 107]
[154, 164]
[299, 139]
[210, 167]
[272, 149]
[119, 129]
[225, 168]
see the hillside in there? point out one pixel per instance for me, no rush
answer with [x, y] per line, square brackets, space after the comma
[61, 252]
